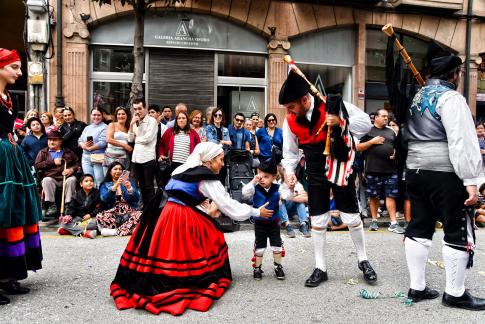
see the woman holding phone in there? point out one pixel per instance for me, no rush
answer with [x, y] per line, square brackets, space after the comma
[93, 143]
[120, 197]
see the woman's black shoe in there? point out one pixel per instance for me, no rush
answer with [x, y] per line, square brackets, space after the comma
[318, 276]
[13, 288]
[4, 300]
[466, 301]
[418, 295]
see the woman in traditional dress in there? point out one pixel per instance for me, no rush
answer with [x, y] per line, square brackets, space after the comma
[179, 259]
[20, 210]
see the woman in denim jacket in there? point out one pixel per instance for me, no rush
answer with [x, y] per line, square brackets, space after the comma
[121, 197]
[217, 133]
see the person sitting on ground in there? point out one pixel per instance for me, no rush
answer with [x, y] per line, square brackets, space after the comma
[80, 218]
[335, 223]
[293, 200]
[55, 162]
[120, 197]
[264, 192]
[35, 141]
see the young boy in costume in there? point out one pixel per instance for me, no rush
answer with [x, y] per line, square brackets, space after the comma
[264, 192]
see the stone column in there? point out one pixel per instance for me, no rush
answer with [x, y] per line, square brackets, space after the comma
[359, 67]
[473, 83]
[277, 73]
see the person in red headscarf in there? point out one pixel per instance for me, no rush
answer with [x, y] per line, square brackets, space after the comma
[20, 209]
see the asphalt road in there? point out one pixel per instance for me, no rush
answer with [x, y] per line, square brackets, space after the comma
[73, 286]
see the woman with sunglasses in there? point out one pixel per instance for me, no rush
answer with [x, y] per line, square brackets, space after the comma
[270, 138]
[71, 130]
[217, 133]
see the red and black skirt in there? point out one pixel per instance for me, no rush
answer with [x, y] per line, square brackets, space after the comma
[176, 261]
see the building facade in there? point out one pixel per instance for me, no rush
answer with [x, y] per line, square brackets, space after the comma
[230, 53]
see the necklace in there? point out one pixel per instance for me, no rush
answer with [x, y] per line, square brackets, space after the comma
[6, 102]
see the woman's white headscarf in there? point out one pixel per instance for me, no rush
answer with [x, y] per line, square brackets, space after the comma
[203, 152]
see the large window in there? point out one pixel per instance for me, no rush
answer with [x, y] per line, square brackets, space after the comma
[111, 76]
[376, 90]
[330, 79]
[241, 84]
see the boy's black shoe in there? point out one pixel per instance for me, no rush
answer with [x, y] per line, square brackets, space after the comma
[278, 270]
[465, 301]
[369, 274]
[257, 273]
[426, 293]
[318, 276]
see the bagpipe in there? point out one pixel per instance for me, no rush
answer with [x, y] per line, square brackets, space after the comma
[339, 144]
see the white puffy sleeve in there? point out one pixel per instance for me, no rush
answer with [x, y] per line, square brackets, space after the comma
[359, 121]
[214, 190]
[463, 145]
[290, 149]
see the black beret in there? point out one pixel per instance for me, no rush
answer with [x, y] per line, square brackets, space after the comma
[444, 64]
[269, 166]
[293, 88]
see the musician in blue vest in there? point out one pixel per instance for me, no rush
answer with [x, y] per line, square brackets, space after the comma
[307, 114]
[443, 163]
[264, 191]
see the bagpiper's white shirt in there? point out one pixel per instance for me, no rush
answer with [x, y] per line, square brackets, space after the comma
[359, 124]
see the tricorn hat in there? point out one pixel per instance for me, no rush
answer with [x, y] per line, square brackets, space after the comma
[293, 88]
[439, 60]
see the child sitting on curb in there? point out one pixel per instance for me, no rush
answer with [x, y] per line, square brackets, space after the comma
[80, 217]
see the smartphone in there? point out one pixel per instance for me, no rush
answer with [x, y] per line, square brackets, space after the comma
[89, 138]
[125, 175]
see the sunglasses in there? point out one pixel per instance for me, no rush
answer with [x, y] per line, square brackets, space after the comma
[271, 120]
[239, 120]
[217, 115]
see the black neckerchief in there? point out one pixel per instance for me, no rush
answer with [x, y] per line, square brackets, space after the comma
[196, 174]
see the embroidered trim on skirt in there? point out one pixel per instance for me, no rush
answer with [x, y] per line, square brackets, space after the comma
[174, 261]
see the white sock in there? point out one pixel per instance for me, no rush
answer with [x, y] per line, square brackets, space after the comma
[417, 251]
[109, 231]
[455, 266]
[393, 222]
[357, 235]
[320, 242]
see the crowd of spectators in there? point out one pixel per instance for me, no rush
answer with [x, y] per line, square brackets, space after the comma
[107, 170]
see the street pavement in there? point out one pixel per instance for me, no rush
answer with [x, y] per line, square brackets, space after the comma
[73, 286]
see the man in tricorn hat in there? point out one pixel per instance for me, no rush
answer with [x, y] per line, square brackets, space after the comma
[442, 164]
[305, 116]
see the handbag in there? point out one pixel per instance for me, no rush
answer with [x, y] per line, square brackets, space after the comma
[164, 165]
[97, 158]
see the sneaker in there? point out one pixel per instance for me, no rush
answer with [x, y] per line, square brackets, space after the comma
[51, 211]
[290, 231]
[304, 230]
[89, 234]
[278, 270]
[63, 231]
[373, 226]
[396, 228]
[258, 273]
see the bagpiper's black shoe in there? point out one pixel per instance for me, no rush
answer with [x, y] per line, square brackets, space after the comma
[258, 273]
[13, 287]
[369, 274]
[426, 293]
[466, 301]
[278, 270]
[318, 276]
[4, 300]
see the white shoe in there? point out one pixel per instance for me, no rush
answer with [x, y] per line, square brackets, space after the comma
[108, 231]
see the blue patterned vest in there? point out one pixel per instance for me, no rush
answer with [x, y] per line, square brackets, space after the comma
[424, 122]
[261, 196]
